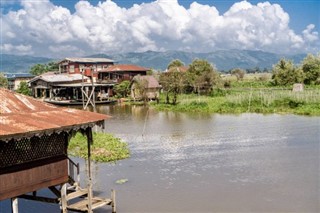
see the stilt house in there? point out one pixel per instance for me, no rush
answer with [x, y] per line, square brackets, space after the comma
[34, 139]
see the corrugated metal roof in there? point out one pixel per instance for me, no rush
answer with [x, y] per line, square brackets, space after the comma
[124, 67]
[59, 77]
[18, 75]
[22, 116]
[89, 60]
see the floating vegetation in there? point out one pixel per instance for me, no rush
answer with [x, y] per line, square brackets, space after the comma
[121, 181]
[105, 148]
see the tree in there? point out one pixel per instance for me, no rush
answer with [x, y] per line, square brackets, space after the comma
[239, 73]
[23, 88]
[172, 82]
[39, 69]
[140, 87]
[52, 66]
[3, 81]
[201, 75]
[285, 73]
[175, 63]
[311, 69]
[122, 89]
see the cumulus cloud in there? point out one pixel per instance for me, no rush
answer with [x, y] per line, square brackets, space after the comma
[46, 29]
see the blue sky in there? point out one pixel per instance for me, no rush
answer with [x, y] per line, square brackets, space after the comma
[284, 26]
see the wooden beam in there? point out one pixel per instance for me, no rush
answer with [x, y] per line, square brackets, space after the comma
[40, 198]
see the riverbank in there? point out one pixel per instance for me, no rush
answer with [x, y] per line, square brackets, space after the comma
[105, 148]
[263, 100]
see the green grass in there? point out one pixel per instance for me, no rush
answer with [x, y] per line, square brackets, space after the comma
[250, 100]
[105, 148]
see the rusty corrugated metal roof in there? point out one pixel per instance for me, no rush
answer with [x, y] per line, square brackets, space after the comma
[59, 77]
[23, 116]
[124, 67]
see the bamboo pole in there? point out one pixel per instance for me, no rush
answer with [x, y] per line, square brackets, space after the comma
[113, 204]
[89, 142]
[64, 198]
[14, 202]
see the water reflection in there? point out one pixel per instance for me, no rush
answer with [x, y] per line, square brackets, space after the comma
[210, 163]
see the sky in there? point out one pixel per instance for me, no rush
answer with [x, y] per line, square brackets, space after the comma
[69, 28]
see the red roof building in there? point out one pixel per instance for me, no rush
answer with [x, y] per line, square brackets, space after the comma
[120, 72]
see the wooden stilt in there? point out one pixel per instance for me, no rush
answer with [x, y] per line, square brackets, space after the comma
[14, 202]
[89, 142]
[64, 198]
[113, 204]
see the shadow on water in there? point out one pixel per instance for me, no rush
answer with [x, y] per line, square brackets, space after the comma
[208, 163]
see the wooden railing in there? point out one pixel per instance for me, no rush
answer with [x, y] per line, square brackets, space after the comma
[74, 172]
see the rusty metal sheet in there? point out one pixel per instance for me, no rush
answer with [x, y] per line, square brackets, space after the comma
[124, 67]
[23, 115]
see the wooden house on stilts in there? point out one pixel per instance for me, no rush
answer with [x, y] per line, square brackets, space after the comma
[34, 139]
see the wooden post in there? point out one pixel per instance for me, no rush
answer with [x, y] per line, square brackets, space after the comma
[14, 202]
[113, 204]
[64, 198]
[89, 141]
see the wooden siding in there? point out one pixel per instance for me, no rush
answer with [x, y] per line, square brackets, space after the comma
[21, 182]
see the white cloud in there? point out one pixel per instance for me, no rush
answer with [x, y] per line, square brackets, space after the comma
[17, 49]
[46, 29]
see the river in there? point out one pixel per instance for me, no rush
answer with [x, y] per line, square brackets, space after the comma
[208, 163]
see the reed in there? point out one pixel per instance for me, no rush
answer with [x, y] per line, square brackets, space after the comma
[250, 100]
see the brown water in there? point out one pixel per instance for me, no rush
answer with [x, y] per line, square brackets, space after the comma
[209, 163]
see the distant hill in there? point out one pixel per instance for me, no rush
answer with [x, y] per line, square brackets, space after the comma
[223, 59]
[20, 64]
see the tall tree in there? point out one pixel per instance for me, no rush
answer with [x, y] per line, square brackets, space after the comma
[201, 75]
[172, 82]
[311, 69]
[285, 73]
[3, 80]
[175, 63]
[39, 69]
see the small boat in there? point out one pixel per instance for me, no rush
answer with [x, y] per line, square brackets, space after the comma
[75, 102]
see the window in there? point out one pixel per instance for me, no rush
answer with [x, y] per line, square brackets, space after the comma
[71, 68]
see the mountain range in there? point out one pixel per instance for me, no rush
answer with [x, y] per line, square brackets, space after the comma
[223, 60]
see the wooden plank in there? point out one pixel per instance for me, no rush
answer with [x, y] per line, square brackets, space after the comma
[101, 203]
[29, 180]
[78, 193]
[82, 206]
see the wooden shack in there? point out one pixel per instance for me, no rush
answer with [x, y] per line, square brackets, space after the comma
[34, 139]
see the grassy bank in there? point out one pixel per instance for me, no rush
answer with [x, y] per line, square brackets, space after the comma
[249, 100]
[105, 148]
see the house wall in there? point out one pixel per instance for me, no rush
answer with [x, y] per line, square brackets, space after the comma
[29, 180]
